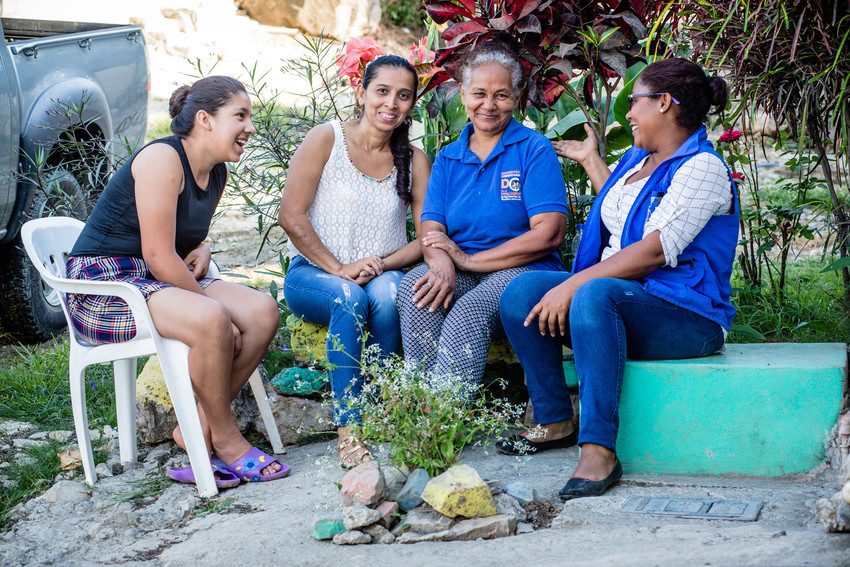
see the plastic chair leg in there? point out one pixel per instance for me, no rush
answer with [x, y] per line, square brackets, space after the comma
[175, 369]
[259, 391]
[125, 405]
[77, 375]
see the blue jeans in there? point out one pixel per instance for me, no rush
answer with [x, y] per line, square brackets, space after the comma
[348, 310]
[609, 320]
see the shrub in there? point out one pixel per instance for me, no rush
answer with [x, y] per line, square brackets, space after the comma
[402, 402]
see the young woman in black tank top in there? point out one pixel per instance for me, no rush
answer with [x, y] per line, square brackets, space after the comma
[148, 229]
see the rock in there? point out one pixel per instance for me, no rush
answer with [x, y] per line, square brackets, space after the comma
[379, 534]
[17, 428]
[351, 538]
[39, 435]
[833, 514]
[459, 492]
[365, 484]
[297, 381]
[412, 537]
[494, 485]
[156, 419]
[103, 470]
[507, 505]
[159, 454]
[483, 528]
[395, 480]
[70, 459]
[359, 515]
[297, 417]
[524, 493]
[341, 19]
[24, 460]
[171, 508]
[327, 528]
[308, 340]
[426, 520]
[24, 443]
[95, 435]
[845, 492]
[66, 491]
[60, 436]
[523, 528]
[389, 512]
[410, 496]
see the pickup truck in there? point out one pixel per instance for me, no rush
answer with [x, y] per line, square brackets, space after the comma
[73, 101]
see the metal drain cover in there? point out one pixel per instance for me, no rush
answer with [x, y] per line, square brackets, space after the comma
[705, 508]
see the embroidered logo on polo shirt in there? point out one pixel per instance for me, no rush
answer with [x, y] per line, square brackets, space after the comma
[511, 188]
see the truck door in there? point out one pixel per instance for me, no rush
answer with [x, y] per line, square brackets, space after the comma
[9, 137]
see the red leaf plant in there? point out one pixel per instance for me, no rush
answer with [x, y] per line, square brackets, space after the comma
[553, 37]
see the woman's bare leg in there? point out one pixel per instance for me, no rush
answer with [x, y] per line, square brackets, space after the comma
[204, 324]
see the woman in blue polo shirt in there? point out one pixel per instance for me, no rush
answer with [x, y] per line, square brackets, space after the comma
[495, 208]
[651, 275]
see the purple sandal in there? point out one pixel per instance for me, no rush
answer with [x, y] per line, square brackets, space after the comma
[248, 466]
[223, 477]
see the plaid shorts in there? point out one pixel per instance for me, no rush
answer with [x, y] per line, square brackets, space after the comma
[104, 318]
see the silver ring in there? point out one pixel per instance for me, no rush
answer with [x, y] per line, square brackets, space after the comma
[427, 283]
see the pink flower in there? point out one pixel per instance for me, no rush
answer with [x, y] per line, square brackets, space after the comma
[738, 176]
[358, 53]
[422, 60]
[730, 136]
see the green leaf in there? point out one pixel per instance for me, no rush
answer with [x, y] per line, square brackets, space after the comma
[747, 332]
[839, 264]
[621, 102]
[574, 118]
[619, 138]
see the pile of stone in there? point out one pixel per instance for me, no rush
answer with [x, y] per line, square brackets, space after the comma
[382, 504]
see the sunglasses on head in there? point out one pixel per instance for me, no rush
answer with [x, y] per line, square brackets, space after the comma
[633, 96]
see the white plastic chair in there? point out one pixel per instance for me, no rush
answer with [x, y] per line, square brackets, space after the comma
[48, 243]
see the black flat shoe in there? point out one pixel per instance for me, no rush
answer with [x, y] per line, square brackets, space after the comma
[581, 487]
[518, 445]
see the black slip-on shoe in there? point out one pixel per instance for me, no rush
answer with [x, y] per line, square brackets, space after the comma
[581, 487]
[518, 445]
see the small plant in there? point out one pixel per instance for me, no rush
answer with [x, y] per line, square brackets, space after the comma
[31, 474]
[147, 488]
[34, 382]
[427, 420]
[213, 506]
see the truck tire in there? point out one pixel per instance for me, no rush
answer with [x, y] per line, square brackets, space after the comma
[30, 311]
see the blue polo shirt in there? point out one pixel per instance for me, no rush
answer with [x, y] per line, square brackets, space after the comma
[485, 204]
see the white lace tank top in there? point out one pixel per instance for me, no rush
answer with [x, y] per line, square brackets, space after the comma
[355, 215]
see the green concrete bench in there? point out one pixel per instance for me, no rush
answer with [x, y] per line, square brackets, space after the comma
[756, 410]
[308, 341]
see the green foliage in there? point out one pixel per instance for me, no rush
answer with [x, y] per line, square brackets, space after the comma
[34, 387]
[31, 477]
[404, 13]
[81, 149]
[402, 401]
[808, 311]
[791, 60]
[146, 489]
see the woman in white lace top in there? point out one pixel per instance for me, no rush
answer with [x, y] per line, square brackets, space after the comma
[344, 208]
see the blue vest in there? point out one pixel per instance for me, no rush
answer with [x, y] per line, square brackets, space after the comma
[700, 282]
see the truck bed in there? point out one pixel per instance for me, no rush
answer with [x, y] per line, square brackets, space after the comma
[17, 29]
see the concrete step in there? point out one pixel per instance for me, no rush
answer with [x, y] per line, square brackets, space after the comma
[755, 410]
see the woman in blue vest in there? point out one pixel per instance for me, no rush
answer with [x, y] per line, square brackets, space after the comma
[651, 275]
